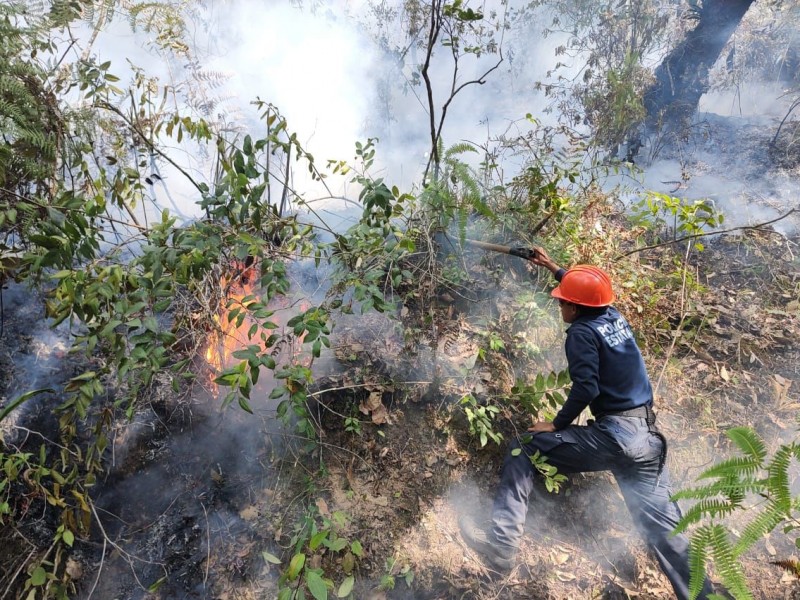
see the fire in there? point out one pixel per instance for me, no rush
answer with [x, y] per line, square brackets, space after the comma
[233, 328]
[231, 332]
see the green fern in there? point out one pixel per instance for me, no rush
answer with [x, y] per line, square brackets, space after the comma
[725, 560]
[698, 557]
[749, 442]
[732, 489]
[779, 477]
[734, 467]
[705, 508]
[459, 191]
[772, 516]
[753, 475]
[457, 149]
[63, 12]
[30, 123]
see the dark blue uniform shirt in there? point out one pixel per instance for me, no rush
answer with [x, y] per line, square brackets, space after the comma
[605, 365]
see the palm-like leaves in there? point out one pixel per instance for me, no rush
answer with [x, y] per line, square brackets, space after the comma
[752, 475]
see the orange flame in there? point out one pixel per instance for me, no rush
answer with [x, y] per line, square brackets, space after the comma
[231, 332]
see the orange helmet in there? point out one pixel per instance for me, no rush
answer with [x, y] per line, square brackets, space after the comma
[585, 285]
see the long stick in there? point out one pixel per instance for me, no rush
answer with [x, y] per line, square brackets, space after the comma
[526, 253]
[488, 246]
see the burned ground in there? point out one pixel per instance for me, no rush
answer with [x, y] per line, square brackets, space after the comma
[195, 497]
[735, 363]
[201, 503]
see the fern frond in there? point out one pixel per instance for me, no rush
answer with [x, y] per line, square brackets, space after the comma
[778, 479]
[35, 8]
[748, 442]
[733, 467]
[727, 566]
[792, 565]
[698, 556]
[462, 224]
[466, 176]
[732, 489]
[765, 522]
[12, 86]
[64, 12]
[459, 148]
[483, 209]
[148, 13]
[88, 12]
[706, 508]
[213, 79]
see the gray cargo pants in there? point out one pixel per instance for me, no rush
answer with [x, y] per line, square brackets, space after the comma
[628, 448]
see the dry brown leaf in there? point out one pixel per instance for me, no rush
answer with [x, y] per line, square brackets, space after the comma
[780, 388]
[560, 558]
[770, 548]
[74, 569]
[245, 550]
[348, 563]
[323, 507]
[249, 513]
[379, 500]
[380, 415]
[372, 402]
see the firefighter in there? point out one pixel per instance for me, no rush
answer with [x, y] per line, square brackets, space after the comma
[608, 375]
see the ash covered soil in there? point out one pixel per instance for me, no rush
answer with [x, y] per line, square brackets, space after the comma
[195, 497]
[735, 363]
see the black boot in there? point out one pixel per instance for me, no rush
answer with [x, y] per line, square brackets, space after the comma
[482, 542]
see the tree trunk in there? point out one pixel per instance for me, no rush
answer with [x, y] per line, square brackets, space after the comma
[682, 78]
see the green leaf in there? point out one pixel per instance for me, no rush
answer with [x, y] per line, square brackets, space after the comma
[38, 577]
[295, 566]
[270, 558]
[243, 404]
[316, 585]
[68, 537]
[337, 545]
[748, 442]
[155, 585]
[286, 594]
[357, 549]
[317, 539]
[26, 396]
[346, 587]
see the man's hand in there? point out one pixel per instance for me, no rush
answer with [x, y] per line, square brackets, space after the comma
[542, 427]
[541, 259]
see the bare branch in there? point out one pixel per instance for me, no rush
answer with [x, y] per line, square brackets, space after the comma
[758, 227]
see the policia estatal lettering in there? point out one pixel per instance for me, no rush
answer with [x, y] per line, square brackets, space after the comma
[608, 375]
